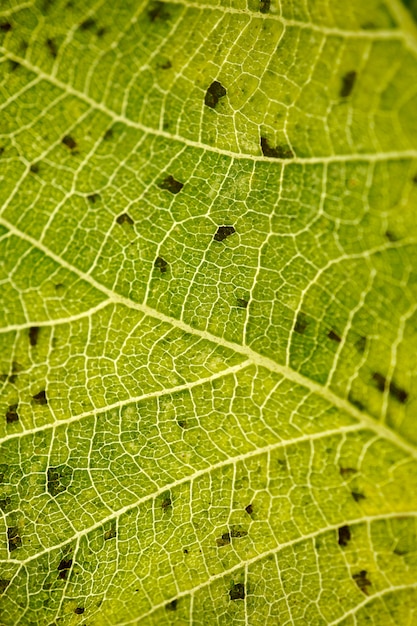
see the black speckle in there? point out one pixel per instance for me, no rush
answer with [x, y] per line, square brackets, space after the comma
[242, 303]
[161, 264]
[279, 152]
[14, 65]
[249, 509]
[108, 134]
[93, 197]
[88, 24]
[223, 232]
[170, 184]
[40, 398]
[301, 323]
[52, 47]
[334, 336]
[360, 344]
[11, 414]
[158, 11]
[362, 581]
[13, 538]
[343, 536]
[347, 471]
[396, 392]
[213, 94]
[79, 610]
[348, 83]
[3, 585]
[110, 534]
[69, 141]
[124, 218]
[182, 423]
[166, 502]
[34, 168]
[33, 335]
[5, 27]
[185, 551]
[5, 503]
[224, 540]
[357, 496]
[264, 6]
[237, 592]
[171, 606]
[237, 533]
[59, 479]
[63, 568]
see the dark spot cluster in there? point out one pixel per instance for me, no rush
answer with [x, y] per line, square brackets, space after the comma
[12, 414]
[79, 610]
[52, 47]
[249, 509]
[171, 184]
[333, 336]
[158, 12]
[3, 585]
[64, 568]
[223, 232]
[5, 27]
[301, 323]
[343, 536]
[277, 152]
[237, 592]
[59, 479]
[396, 392]
[124, 218]
[161, 265]
[242, 303]
[166, 502]
[34, 335]
[264, 6]
[93, 197]
[214, 93]
[40, 398]
[110, 534]
[69, 142]
[88, 24]
[13, 538]
[348, 83]
[172, 606]
[362, 580]
[358, 496]
[5, 503]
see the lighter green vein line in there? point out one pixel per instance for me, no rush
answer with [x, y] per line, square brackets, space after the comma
[116, 117]
[262, 361]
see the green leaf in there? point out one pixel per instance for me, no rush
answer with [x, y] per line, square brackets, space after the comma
[208, 312]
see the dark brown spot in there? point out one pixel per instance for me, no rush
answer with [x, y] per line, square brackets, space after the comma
[343, 536]
[59, 479]
[213, 94]
[348, 83]
[249, 509]
[223, 232]
[11, 414]
[224, 540]
[399, 552]
[264, 6]
[279, 152]
[158, 11]
[185, 551]
[79, 610]
[124, 218]
[166, 502]
[362, 581]
[161, 264]
[360, 344]
[171, 606]
[63, 568]
[52, 47]
[40, 398]
[93, 197]
[396, 392]
[5, 27]
[334, 336]
[170, 184]
[391, 236]
[357, 496]
[237, 592]
[88, 24]
[237, 533]
[301, 323]
[3, 585]
[101, 31]
[34, 168]
[355, 402]
[14, 65]
[33, 335]
[69, 141]
[108, 134]
[5, 503]
[165, 65]
[346, 472]
[110, 534]
[242, 303]
[13, 538]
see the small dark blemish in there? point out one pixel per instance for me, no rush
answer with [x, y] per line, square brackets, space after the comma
[52, 47]
[3, 585]
[88, 24]
[223, 232]
[34, 168]
[301, 323]
[347, 471]
[158, 12]
[5, 503]
[396, 392]
[40, 398]
[357, 496]
[33, 335]
[79, 610]
[249, 509]
[391, 236]
[69, 141]
[213, 94]
[360, 344]
[399, 552]
[182, 423]
[166, 65]
[110, 534]
[170, 184]
[11, 414]
[171, 606]
[124, 218]
[93, 197]
[348, 83]
[242, 303]
[368, 26]
[185, 551]
[1, 150]
[355, 402]
[224, 540]
[59, 479]
[236, 533]
[161, 264]
[5, 27]
[237, 592]
[108, 134]
[334, 336]
[279, 152]
[13, 538]
[63, 568]
[14, 65]
[166, 502]
[362, 581]
[343, 536]
[264, 6]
